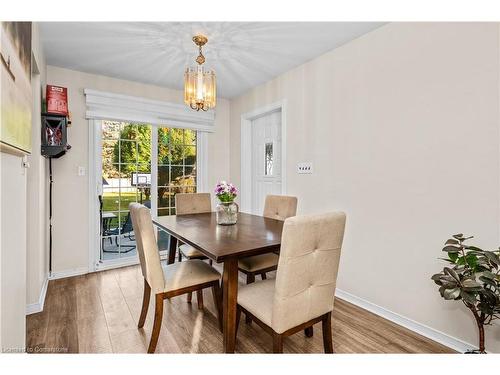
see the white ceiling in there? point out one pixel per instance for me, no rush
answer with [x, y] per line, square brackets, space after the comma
[243, 54]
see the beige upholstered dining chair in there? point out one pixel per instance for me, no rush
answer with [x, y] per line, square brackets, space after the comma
[167, 281]
[191, 203]
[303, 292]
[278, 207]
[186, 204]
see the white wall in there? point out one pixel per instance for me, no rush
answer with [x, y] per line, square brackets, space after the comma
[37, 196]
[402, 126]
[13, 252]
[70, 215]
[13, 229]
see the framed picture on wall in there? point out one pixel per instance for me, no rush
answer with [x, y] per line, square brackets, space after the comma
[15, 90]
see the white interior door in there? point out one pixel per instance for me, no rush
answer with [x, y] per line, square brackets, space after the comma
[266, 158]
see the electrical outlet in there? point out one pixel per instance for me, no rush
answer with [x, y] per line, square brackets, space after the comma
[81, 171]
[305, 168]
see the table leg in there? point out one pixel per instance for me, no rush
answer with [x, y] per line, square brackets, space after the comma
[172, 249]
[230, 293]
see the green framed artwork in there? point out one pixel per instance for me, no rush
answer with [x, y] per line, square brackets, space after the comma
[15, 87]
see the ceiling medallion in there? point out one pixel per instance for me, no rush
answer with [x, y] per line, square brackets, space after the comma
[199, 84]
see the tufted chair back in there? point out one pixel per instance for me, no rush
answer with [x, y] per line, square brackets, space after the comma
[307, 269]
[280, 207]
[147, 246]
[192, 203]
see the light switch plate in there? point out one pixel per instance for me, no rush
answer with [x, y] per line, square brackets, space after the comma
[305, 168]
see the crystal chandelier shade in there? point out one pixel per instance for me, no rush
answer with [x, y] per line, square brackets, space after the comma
[199, 84]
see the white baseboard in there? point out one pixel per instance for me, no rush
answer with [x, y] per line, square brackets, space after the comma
[421, 329]
[110, 264]
[68, 273]
[33, 308]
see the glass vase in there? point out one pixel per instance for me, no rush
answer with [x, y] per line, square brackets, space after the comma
[226, 213]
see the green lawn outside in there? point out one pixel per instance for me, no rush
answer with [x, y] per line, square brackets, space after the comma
[114, 202]
[118, 202]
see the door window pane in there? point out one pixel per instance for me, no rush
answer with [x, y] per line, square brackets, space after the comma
[163, 211]
[126, 173]
[177, 154]
[189, 155]
[269, 159]
[126, 156]
[111, 130]
[176, 173]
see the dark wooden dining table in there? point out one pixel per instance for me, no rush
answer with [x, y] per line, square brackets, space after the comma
[251, 235]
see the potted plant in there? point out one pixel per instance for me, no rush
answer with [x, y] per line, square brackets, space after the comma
[473, 278]
[227, 210]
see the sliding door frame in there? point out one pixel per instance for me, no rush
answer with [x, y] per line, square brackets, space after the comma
[95, 188]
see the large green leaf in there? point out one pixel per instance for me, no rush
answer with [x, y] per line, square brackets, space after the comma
[451, 293]
[447, 260]
[471, 260]
[490, 297]
[482, 260]
[489, 282]
[437, 276]
[451, 241]
[474, 248]
[449, 285]
[441, 291]
[452, 249]
[469, 296]
[471, 285]
[487, 275]
[452, 273]
[445, 280]
[492, 257]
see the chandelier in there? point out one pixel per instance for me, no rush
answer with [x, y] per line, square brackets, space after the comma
[199, 84]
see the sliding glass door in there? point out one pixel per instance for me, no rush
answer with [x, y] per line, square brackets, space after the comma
[176, 166]
[126, 177]
[129, 152]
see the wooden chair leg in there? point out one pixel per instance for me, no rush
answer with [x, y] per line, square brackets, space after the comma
[309, 331]
[189, 297]
[180, 256]
[157, 323]
[199, 298]
[327, 332]
[238, 318]
[277, 343]
[145, 304]
[210, 262]
[263, 275]
[217, 295]
[250, 279]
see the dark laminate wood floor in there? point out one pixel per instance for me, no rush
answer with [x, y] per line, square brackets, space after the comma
[98, 313]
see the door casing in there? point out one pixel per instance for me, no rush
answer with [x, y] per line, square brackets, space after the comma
[95, 188]
[246, 151]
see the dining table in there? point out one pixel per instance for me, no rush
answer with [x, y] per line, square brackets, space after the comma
[251, 235]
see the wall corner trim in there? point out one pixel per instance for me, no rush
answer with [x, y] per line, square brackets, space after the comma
[37, 307]
[431, 333]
